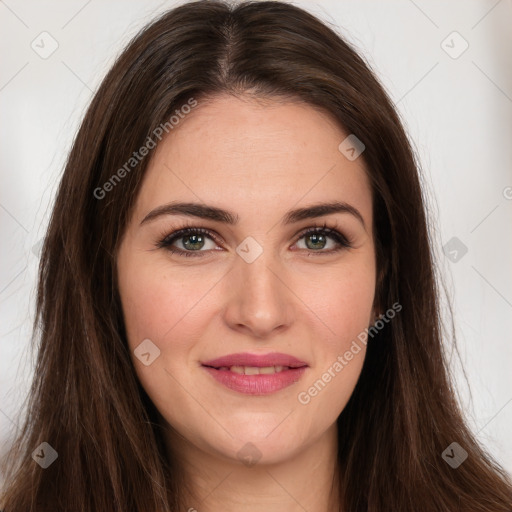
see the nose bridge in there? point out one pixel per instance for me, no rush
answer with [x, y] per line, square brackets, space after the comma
[259, 277]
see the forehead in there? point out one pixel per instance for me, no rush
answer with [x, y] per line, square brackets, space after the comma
[256, 157]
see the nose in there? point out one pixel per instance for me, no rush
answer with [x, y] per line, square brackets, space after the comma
[259, 301]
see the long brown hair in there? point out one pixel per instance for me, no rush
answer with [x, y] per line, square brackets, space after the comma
[86, 401]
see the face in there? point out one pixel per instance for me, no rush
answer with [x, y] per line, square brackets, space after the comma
[264, 279]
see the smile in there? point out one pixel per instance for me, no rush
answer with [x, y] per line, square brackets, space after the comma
[260, 375]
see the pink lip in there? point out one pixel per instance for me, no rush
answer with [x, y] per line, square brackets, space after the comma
[246, 359]
[261, 384]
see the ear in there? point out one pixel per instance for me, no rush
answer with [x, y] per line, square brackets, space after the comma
[376, 314]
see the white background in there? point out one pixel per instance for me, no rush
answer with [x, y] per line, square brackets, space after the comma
[458, 112]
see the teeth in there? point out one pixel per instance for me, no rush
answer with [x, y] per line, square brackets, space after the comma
[255, 370]
[270, 369]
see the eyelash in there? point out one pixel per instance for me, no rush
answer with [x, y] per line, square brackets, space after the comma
[165, 242]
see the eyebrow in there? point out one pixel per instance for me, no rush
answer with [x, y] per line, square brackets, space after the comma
[219, 215]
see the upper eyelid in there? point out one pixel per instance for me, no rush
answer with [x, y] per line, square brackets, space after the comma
[182, 232]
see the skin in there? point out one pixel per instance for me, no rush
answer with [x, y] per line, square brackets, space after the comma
[258, 160]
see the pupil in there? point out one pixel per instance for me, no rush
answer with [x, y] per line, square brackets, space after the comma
[316, 239]
[195, 237]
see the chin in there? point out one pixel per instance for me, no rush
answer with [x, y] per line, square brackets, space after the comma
[250, 446]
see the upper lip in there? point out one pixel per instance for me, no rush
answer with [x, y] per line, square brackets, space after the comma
[257, 360]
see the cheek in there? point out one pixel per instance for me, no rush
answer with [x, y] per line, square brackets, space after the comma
[166, 308]
[343, 312]
[342, 302]
[156, 302]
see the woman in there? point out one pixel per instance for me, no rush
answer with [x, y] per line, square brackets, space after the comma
[236, 296]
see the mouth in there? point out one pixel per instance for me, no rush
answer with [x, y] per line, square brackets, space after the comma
[255, 374]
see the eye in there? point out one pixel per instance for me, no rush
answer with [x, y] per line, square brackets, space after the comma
[193, 240]
[317, 239]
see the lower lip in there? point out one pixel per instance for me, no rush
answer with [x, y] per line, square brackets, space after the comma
[260, 384]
